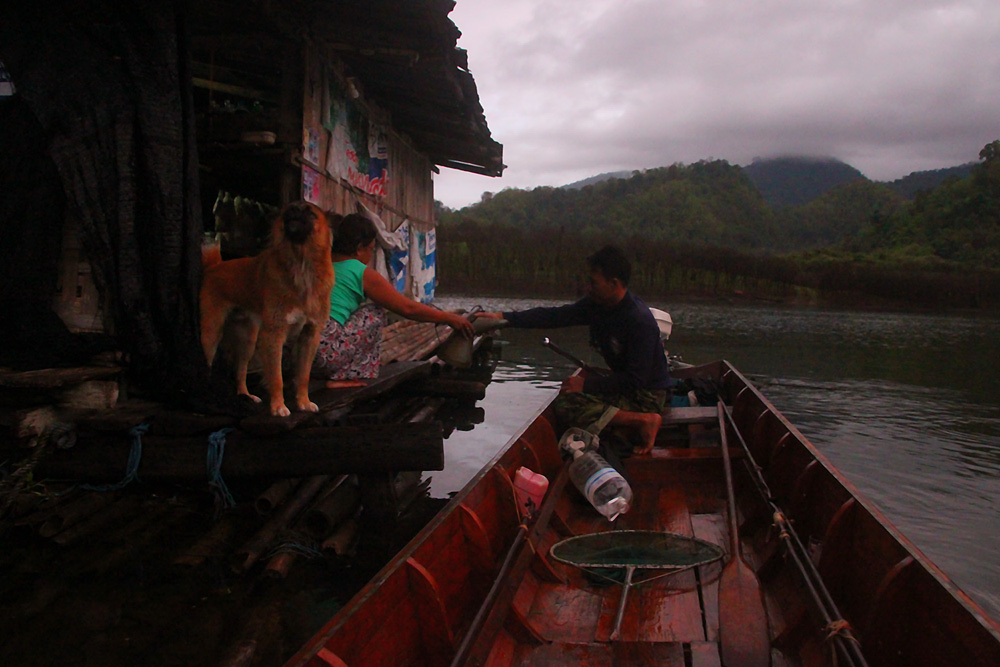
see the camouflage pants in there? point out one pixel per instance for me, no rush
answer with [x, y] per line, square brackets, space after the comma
[581, 410]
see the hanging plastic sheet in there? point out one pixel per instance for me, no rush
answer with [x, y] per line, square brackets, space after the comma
[7, 88]
[391, 243]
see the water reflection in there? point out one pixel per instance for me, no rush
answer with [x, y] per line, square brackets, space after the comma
[904, 404]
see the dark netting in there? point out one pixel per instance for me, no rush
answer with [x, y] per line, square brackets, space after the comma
[104, 98]
[640, 549]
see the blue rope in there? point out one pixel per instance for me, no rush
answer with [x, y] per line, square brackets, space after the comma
[296, 547]
[216, 448]
[132, 468]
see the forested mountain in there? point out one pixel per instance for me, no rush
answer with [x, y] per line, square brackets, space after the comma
[911, 184]
[706, 203]
[705, 228]
[594, 180]
[792, 181]
[836, 216]
[958, 222]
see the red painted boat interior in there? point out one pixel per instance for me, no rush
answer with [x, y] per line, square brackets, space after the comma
[900, 607]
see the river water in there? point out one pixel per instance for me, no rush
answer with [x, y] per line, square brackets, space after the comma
[905, 405]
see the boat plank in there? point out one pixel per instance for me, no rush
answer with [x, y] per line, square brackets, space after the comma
[705, 654]
[578, 514]
[461, 583]
[387, 638]
[712, 529]
[567, 614]
[430, 607]
[525, 596]
[602, 655]
[696, 415]
[506, 652]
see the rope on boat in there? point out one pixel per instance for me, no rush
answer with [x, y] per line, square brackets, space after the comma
[216, 448]
[841, 628]
[132, 467]
[850, 650]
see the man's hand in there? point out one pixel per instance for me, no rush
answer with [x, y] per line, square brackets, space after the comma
[572, 384]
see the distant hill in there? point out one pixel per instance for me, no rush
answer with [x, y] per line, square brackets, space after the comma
[593, 180]
[792, 181]
[911, 184]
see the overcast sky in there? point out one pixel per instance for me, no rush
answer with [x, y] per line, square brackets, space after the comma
[575, 88]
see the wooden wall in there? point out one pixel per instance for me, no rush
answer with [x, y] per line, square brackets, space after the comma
[410, 190]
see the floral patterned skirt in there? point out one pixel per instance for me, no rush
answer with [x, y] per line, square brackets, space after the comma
[352, 350]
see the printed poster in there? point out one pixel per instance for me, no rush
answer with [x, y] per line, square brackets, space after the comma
[359, 150]
[310, 185]
[310, 146]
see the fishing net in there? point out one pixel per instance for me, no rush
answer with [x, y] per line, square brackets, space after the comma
[609, 554]
[615, 555]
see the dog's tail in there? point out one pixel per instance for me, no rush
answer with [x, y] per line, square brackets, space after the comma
[210, 255]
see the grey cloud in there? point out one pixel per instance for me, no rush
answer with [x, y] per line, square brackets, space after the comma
[574, 88]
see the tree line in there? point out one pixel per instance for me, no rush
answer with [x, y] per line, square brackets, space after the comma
[704, 229]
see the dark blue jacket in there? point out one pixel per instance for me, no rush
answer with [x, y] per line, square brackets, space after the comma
[625, 334]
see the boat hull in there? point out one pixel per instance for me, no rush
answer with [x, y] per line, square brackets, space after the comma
[477, 586]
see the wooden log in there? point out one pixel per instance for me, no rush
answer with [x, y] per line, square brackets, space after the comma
[407, 351]
[378, 447]
[147, 529]
[175, 423]
[341, 540]
[56, 378]
[81, 508]
[254, 548]
[280, 564]
[122, 417]
[378, 496]
[449, 387]
[211, 544]
[432, 343]
[27, 423]
[90, 395]
[47, 508]
[274, 495]
[323, 517]
[114, 513]
[241, 655]
[424, 411]
[330, 400]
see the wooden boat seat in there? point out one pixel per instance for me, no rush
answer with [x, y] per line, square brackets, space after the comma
[696, 415]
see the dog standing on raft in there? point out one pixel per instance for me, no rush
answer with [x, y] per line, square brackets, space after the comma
[259, 303]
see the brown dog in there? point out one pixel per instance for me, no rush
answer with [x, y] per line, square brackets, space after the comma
[282, 294]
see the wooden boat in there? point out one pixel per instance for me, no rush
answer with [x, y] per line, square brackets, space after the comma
[835, 583]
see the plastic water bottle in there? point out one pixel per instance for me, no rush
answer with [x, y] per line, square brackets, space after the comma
[602, 485]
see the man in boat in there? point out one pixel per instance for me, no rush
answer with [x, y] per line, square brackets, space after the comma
[623, 330]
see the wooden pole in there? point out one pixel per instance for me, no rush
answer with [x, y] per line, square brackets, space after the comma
[323, 517]
[255, 547]
[274, 495]
[340, 541]
[70, 513]
[116, 513]
[211, 544]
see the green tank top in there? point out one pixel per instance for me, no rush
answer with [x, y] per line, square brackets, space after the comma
[348, 290]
